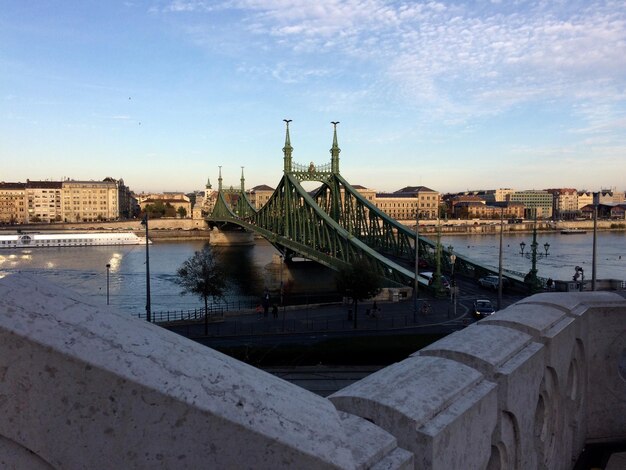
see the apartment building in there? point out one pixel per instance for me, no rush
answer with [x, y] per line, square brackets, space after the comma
[44, 201]
[481, 210]
[403, 204]
[259, 195]
[13, 203]
[564, 203]
[89, 201]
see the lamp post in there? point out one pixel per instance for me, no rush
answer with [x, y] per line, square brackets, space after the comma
[500, 259]
[417, 260]
[437, 286]
[148, 307]
[282, 301]
[596, 200]
[108, 269]
[531, 278]
[453, 280]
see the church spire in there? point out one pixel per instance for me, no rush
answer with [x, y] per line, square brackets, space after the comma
[287, 149]
[219, 180]
[243, 181]
[208, 184]
[334, 151]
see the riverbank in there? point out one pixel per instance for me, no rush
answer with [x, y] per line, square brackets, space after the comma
[491, 227]
[197, 229]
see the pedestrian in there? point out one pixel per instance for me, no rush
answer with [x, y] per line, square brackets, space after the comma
[549, 283]
[274, 311]
[259, 311]
[375, 307]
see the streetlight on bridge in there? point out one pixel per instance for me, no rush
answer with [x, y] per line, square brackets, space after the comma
[531, 278]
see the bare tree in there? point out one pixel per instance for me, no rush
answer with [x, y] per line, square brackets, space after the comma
[202, 276]
[359, 281]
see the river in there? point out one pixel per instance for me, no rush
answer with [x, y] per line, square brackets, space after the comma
[83, 269]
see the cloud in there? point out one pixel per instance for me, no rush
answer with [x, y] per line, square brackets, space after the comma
[457, 61]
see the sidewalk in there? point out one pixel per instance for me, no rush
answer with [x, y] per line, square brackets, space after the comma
[326, 318]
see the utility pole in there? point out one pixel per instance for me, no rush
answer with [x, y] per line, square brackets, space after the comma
[417, 260]
[596, 197]
[500, 259]
[148, 307]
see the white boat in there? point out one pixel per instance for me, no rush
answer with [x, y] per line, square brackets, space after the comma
[46, 240]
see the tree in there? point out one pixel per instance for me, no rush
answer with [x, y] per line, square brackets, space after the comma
[202, 276]
[182, 212]
[359, 282]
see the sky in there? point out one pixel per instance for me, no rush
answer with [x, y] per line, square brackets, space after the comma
[451, 95]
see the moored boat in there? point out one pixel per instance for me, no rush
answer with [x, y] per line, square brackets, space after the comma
[572, 231]
[47, 240]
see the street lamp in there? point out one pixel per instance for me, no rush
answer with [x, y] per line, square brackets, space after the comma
[437, 285]
[531, 278]
[108, 269]
[417, 261]
[282, 301]
[453, 280]
[148, 307]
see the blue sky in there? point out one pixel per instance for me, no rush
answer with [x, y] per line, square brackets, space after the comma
[450, 95]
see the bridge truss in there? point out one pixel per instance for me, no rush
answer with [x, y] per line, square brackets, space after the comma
[334, 225]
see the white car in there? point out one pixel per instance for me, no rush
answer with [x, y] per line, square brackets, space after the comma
[491, 282]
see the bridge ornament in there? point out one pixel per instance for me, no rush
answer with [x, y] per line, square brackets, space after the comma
[312, 172]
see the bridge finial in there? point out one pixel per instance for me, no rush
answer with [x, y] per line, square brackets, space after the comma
[243, 180]
[287, 149]
[334, 151]
[219, 180]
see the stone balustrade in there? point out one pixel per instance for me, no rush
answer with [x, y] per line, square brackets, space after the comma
[82, 387]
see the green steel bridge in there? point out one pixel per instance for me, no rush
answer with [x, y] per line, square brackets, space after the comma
[334, 225]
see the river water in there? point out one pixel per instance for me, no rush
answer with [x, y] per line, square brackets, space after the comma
[83, 269]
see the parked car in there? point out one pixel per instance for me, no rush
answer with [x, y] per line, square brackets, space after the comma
[482, 308]
[491, 282]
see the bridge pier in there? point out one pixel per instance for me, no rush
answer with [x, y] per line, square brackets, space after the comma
[228, 238]
[301, 277]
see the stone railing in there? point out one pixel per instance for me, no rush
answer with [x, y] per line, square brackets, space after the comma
[81, 387]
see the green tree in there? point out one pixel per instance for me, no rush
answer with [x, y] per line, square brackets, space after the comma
[182, 212]
[202, 276]
[359, 282]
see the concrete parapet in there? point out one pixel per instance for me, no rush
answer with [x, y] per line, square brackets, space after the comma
[83, 387]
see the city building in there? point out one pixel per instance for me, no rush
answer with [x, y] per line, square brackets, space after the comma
[565, 203]
[90, 201]
[44, 201]
[481, 210]
[584, 198]
[367, 193]
[169, 204]
[402, 204]
[259, 195]
[605, 211]
[537, 203]
[13, 203]
[611, 196]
